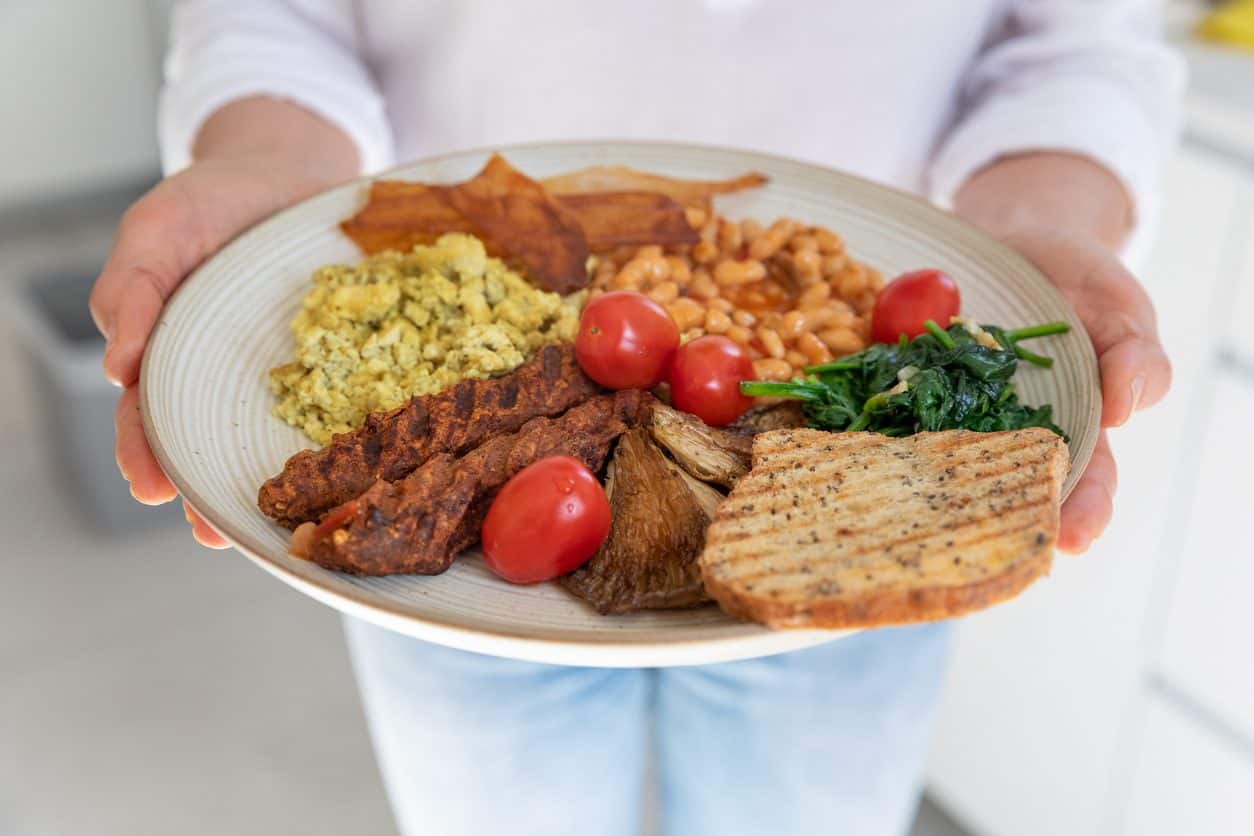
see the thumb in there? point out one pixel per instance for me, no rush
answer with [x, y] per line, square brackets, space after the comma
[152, 254]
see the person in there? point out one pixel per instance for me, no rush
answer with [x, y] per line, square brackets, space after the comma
[1043, 121]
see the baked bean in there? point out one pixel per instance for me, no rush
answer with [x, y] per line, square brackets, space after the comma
[864, 303]
[875, 279]
[744, 318]
[791, 325]
[813, 348]
[655, 267]
[720, 304]
[808, 262]
[828, 241]
[664, 292]
[687, 313]
[716, 321]
[819, 317]
[702, 286]
[786, 226]
[795, 358]
[815, 294]
[691, 334]
[852, 281]
[704, 252]
[751, 230]
[740, 334]
[709, 232]
[771, 342]
[696, 217]
[804, 243]
[861, 326]
[772, 369]
[729, 272]
[729, 236]
[626, 280]
[766, 244]
[840, 341]
[834, 264]
[844, 315]
[680, 272]
[649, 251]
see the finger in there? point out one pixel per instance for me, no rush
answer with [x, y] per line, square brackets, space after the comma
[143, 270]
[149, 484]
[201, 530]
[1087, 511]
[1136, 374]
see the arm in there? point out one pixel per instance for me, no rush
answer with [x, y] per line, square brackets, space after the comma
[1064, 122]
[246, 135]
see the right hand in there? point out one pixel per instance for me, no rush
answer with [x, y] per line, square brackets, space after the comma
[160, 240]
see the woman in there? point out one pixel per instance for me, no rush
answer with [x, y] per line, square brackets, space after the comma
[1043, 121]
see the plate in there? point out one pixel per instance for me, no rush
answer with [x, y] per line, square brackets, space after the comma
[206, 403]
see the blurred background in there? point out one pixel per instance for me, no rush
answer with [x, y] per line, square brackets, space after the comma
[148, 686]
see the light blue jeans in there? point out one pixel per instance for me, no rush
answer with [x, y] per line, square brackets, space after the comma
[829, 740]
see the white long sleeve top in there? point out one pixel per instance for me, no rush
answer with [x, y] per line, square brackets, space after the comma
[915, 93]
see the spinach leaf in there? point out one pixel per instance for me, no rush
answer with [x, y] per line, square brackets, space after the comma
[943, 379]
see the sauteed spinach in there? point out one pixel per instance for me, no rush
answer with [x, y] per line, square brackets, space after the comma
[948, 378]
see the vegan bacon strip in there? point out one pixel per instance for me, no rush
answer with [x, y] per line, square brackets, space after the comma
[618, 219]
[389, 445]
[419, 524]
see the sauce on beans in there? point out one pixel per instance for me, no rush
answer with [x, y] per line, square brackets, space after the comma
[790, 294]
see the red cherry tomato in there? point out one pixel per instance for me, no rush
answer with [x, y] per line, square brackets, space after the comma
[705, 379]
[911, 299]
[546, 521]
[626, 341]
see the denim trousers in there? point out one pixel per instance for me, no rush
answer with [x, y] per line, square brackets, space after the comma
[827, 740]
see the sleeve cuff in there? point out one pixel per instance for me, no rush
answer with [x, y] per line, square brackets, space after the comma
[356, 109]
[1082, 116]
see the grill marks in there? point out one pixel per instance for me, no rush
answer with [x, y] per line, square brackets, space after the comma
[389, 445]
[858, 529]
[420, 523]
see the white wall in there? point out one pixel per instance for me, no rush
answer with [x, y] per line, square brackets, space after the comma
[78, 85]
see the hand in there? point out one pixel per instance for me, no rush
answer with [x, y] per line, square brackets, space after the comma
[1135, 371]
[161, 239]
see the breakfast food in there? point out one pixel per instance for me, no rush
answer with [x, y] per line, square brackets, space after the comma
[442, 433]
[659, 515]
[389, 445]
[693, 194]
[858, 530]
[708, 453]
[547, 520]
[371, 336]
[943, 379]
[790, 293]
[545, 228]
[419, 524]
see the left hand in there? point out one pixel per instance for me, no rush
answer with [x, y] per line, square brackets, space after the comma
[1135, 371]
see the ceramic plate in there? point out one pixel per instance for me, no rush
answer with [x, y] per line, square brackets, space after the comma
[206, 404]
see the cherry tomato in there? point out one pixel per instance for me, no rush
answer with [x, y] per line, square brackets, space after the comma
[705, 379]
[911, 299]
[546, 521]
[626, 341]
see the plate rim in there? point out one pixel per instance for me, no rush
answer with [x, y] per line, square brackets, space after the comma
[609, 653]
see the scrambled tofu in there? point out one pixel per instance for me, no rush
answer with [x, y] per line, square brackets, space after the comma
[373, 335]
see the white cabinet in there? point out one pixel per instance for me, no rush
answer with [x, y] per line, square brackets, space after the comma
[1186, 781]
[1206, 649]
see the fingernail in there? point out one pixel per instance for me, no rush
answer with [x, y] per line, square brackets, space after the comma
[109, 376]
[1138, 388]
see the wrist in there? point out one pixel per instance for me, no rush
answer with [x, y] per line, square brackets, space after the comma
[1045, 193]
[292, 149]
